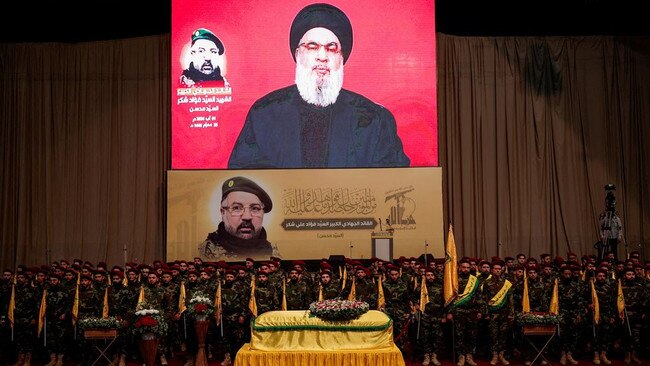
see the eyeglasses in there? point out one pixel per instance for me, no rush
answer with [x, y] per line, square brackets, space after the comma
[331, 47]
[238, 210]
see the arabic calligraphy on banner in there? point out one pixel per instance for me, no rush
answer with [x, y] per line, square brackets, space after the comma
[316, 213]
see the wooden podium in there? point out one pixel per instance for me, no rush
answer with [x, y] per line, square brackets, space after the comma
[382, 244]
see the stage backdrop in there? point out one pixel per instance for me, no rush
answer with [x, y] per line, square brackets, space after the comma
[316, 213]
[393, 62]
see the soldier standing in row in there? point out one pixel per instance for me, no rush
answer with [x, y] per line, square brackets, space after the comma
[498, 292]
[398, 303]
[233, 317]
[432, 318]
[466, 311]
[297, 292]
[59, 306]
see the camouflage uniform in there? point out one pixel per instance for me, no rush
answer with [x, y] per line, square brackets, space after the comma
[500, 317]
[266, 296]
[25, 315]
[431, 337]
[298, 296]
[90, 306]
[636, 308]
[365, 290]
[608, 314]
[466, 318]
[59, 305]
[572, 303]
[122, 302]
[330, 290]
[234, 304]
[398, 307]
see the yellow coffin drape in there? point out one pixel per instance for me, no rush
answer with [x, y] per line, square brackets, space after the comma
[377, 357]
[296, 330]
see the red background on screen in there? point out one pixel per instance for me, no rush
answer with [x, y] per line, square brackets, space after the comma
[392, 62]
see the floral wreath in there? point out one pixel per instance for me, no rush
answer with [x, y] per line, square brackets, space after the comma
[149, 320]
[338, 310]
[100, 323]
[200, 304]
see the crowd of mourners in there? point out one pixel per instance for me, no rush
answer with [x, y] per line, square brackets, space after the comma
[483, 320]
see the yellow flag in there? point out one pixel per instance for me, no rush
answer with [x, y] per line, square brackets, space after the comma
[554, 308]
[217, 304]
[451, 269]
[12, 304]
[75, 304]
[320, 292]
[140, 296]
[620, 301]
[284, 295]
[381, 300]
[181, 299]
[105, 308]
[345, 277]
[353, 290]
[525, 301]
[424, 294]
[340, 272]
[594, 302]
[584, 275]
[252, 303]
[41, 313]
[125, 281]
[108, 280]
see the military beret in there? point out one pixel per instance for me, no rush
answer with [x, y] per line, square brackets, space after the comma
[509, 259]
[325, 265]
[8, 270]
[203, 33]
[88, 263]
[262, 273]
[327, 272]
[250, 260]
[102, 264]
[495, 258]
[571, 254]
[484, 262]
[532, 267]
[222, 264]
[117, 273]
[144, 266]
[86, 277]
[635, 254]
[99, 271]
[601, 270]
[64, 261]
[464, 260]
[439, 261]
[193, 272]
[299, 263]
[325, 16]
[241, 184]
[132, 270]
[628, 269]
[545, 255]
[521, 255]
[275, 259]
[498, 262]
[167, 272]
[294, 269]
[574, 268]
[430, 270]
[392, 267]
[230, 272]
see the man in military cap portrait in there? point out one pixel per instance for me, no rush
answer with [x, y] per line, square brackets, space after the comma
[240, 234]
[322, 124]
[207, 63]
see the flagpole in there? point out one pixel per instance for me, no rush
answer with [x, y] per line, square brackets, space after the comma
[425, 253]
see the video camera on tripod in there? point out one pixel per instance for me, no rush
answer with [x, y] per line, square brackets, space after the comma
[611, 229]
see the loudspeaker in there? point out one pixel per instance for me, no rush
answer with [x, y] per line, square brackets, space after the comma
[337, 259]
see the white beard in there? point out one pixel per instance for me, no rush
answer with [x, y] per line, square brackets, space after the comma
[317, 90]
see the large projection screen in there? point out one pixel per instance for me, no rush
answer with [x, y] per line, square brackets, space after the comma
[392, 62]
[315, 213]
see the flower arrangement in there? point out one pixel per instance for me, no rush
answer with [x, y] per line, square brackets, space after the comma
[537, 319]
[149, 321]
[100, 323]
[200, 305]
[338, 310]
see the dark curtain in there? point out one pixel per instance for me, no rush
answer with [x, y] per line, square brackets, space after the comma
[531, 129]
[84, 147]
